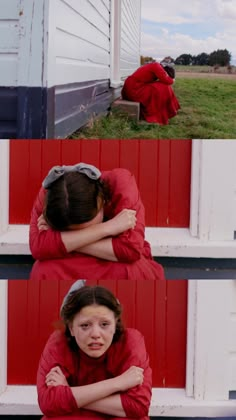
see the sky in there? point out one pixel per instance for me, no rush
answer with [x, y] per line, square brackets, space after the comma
[175, 27]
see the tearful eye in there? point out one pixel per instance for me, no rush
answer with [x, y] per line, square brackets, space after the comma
[84, 326]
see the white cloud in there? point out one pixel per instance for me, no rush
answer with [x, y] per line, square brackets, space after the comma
[227, 9]
[178, 44]
[169, 11]
[220, 14]
[185, 11]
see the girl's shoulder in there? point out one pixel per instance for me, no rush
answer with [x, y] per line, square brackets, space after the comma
[57, 344]
[116, 174]
[129, 340]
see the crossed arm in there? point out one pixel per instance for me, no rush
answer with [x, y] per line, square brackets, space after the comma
[95, 240]
[103, 396]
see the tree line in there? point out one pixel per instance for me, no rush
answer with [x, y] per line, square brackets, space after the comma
[215, 58]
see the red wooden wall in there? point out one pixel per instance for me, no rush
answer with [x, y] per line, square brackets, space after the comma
[162, 169]
[157, 308]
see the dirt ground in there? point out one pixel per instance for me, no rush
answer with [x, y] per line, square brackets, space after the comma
[205, 75]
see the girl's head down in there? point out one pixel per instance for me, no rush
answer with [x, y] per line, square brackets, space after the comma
[74, 201]
[169, 70]
[92, 317]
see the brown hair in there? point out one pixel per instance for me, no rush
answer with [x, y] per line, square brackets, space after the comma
[86, 296]
[169, 70]
[73, 199]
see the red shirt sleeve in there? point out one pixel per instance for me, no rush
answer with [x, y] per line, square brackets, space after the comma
[59, 400]
[45, 244]
[128, 246]
[161, 74]
[131, 351]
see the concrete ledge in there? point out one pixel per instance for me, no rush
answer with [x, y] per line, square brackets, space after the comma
[126, 108]
[15, 240]
[165, 242]
[166, 402]
[178, 242]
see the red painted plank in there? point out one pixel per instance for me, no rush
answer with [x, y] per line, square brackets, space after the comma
[129, 156]
[18, 180]
[70, 155]
[145, 305]
[17, 340]
[51, 155]
[35, 171]
[163, 179]
[159, 336]
[148, 178]
[110, 154]
[180, 169]
[91, 152]
[176, 331]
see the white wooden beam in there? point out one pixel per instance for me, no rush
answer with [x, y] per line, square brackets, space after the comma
[115, 41]
[208, 340]
[213, 190]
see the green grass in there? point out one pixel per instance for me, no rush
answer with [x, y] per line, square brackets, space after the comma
[208, 111]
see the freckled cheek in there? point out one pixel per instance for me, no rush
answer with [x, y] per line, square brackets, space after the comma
[81, 337]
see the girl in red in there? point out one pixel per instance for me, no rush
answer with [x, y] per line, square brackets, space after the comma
[94, 368]
[151, 86]
[89, 224]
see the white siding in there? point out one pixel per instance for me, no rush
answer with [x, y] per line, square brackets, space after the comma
[47, 43]
[213, 215]
[9, 41]
[211, 344]
[82, 40]
[23, 42]
[130, 37]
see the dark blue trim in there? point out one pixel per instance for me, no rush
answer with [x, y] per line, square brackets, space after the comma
[32, 112]
[35, 417]
[19, 267]
[76, 104]
[38, 113]
[8, 112]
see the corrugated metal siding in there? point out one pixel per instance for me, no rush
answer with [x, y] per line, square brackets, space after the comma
[130, 37]
[82, 40]
[162, 169]
[9, 41]
[157, 309]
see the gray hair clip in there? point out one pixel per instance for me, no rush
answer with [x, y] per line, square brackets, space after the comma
[74, 287]
[167, 64]
[57, 171]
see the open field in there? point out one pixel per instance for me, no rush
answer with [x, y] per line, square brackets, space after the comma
[206, 69]
[226, 76]
[208, 111]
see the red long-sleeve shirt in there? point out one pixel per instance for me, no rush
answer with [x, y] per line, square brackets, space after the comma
[151, 86]
[81, 369]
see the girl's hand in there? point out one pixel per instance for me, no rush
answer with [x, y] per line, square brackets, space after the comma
[130, 378]
[42, 224]
[55, 377]
[123, 221]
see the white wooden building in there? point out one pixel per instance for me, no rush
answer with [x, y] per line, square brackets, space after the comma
[62, 62]
[211, 320]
